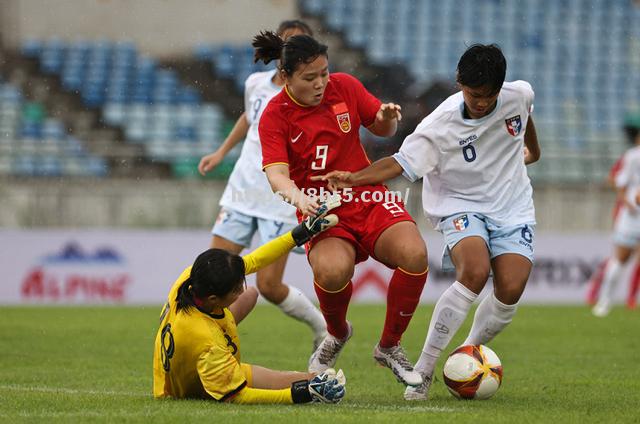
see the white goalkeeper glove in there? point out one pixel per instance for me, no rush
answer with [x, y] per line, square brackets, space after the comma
[313, 225]
[328, 387]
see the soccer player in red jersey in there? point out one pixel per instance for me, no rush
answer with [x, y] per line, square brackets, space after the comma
[309, 129]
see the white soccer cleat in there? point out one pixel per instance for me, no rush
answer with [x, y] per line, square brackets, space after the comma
[601, 309]
[327, 352]
[396, 359]
[317, 339]
[420, 392]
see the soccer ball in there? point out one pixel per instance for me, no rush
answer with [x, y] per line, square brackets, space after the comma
[473, 372]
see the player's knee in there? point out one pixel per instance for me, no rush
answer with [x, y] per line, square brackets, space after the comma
[332, 276]
[509, 295]
[476, 276]
[251, 294]
[269, 287]
[414, 258]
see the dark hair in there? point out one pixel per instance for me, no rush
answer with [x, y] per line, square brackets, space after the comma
[298, 49]
[294, 24]
[482, 65]
[632, 127]
[214, 272]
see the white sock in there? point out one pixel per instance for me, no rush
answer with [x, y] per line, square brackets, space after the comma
[298, 306]
[491, 317]
[609, 282]
[450, 311]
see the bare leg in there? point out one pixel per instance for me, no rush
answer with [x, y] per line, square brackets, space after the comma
[265, 378]
[218, 242]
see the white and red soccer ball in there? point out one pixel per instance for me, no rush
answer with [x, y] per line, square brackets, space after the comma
[473, 372]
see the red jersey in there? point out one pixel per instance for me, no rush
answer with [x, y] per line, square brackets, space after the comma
[314, 140]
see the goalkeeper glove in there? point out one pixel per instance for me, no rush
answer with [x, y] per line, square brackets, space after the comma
[328, 387]
[313, 225]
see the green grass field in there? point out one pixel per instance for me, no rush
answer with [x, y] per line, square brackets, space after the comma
[94, 364]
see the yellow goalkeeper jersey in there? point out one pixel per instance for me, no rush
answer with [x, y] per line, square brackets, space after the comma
[197, 355]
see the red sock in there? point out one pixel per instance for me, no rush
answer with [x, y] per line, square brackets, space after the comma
[333, 306]
[595, 282]
[403, 297]
[633, 287]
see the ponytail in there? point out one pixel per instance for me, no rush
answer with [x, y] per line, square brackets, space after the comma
[268, 46]
[184, 298]
[291, 53]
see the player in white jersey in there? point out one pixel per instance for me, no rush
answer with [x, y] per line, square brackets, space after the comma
[626, 232]
[248, 203]
[471, 155]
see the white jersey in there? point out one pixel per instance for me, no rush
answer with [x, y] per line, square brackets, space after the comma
[248, 190]
[473, 165]
[629, 177]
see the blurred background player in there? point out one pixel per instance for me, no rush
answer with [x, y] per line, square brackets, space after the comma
[249, 206]
[626, 233]
[197, 350]
[631, 128]
[476, 192]
[312, 127]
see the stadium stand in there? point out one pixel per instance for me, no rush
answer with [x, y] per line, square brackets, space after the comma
[35, 144]
[150, 104]
[581, 57]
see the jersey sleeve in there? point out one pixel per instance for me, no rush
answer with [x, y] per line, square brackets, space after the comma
[220, 373]
[368, 104]
[418, 155]
[272, 139]
[527, 91]
[268, 253]
[623, 176]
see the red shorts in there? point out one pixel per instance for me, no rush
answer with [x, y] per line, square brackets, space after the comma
[361, 223]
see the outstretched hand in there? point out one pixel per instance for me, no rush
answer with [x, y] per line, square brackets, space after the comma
[328, 387]
[388, 112]
[336, 180]
[313, 225]
[209, 162]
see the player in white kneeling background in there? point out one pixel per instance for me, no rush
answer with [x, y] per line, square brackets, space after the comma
[248, 203]
[471, 155]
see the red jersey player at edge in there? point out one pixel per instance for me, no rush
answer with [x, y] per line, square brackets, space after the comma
[308, 129]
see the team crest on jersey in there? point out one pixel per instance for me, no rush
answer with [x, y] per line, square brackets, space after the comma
[514, 125]
[342, 115]
[461, 223]
[344, 122]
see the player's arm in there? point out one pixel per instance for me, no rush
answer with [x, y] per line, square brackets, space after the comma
[299, 235]
[237, 134]
[386, 122]
[378, 172]
[328, 387]
[282, 184]
[531, 143]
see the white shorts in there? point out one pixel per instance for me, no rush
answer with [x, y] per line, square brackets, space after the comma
[499, 239]
[626, 231]
[240, 228]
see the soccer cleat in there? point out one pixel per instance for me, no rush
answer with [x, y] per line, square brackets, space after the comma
[601, 309]
[317, 339]
[420, 392]
[396, 359]
[326, 354]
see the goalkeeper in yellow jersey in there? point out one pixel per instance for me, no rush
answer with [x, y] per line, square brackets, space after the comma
[197, 351]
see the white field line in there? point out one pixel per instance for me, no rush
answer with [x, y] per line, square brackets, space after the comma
[66, 391]
[368, 407]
